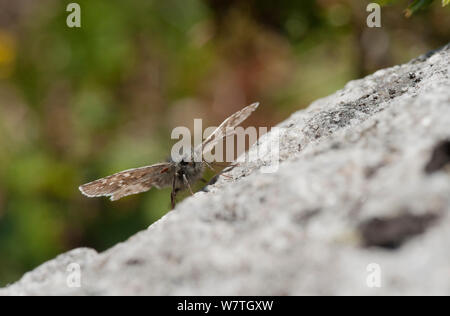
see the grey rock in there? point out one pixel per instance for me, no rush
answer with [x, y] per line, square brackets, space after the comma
[354, 187]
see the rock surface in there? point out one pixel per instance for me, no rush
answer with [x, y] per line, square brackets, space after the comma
[362, 190]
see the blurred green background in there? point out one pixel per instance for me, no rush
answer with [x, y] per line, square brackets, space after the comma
[77, 104]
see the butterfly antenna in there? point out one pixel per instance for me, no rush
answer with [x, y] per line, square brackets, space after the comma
[209, 166]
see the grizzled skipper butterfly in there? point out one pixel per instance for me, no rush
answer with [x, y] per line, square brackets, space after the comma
[179, 175]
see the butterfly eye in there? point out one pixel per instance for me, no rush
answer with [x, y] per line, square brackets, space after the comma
[184, 163]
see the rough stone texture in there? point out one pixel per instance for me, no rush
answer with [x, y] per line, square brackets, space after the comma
[363, 178]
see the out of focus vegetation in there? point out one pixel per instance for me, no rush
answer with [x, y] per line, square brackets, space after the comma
[414, 5]
[77, 104]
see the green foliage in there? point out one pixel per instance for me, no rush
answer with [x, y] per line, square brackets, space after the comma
[417, 5]
[414, 6]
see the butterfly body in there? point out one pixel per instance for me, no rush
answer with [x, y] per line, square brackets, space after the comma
[187, 172]
[179, 175]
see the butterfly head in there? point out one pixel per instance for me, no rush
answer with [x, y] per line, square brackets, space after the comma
[192, 169]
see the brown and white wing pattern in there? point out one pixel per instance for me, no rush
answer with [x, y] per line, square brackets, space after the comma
[226, 128]
[130, 181]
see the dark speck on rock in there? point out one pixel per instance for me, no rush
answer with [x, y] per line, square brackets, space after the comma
[440, 157]
[335, 146]
[303, 217]
[391, 233]
[134, 262]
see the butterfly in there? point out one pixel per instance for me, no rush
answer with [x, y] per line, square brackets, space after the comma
[179, 175]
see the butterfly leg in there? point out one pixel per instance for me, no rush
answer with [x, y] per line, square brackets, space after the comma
[174, 192]
[213, 180]
[186, 183]
[226, 176]
[229, 168]
[220, 164]
[209, 166]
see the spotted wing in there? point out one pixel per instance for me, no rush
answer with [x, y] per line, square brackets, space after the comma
[130, 181]
[226, 128]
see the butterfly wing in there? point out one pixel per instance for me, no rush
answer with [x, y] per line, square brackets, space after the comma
[226, 128]
[130, 181]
